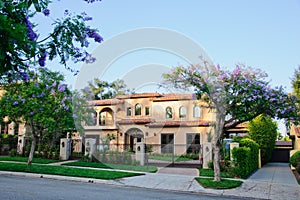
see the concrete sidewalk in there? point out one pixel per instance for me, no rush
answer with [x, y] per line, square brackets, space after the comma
[273, 181]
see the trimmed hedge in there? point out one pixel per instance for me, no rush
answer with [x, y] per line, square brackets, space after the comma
[245, 158]
[295, 159]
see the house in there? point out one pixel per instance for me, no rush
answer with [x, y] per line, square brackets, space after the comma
[167, 123]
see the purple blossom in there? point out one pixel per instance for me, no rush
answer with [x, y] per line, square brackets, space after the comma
[42, 94]
[54, 84]
[36, 84]
[15, 103]
[75, 116]
[61, 87]
[93, 34]
[46, 12]
[42, 59]
[30, 33]
[66, 107]
[31, 113]
[87, 18]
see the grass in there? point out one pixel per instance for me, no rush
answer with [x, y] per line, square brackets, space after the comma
[223, 184]
[168, 157]
[151, 169]
[25, 159]
[210, 173]
[65, 171]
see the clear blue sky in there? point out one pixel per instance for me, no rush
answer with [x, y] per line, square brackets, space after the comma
[262, 34]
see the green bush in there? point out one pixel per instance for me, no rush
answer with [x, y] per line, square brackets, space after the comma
[13, 153]
[245, 158]
[295, 159]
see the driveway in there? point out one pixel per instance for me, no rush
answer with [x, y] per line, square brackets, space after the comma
[272, 181]
[275, 173]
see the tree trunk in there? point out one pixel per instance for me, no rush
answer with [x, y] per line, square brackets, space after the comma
[33, 143]
[217, 170]
[220, 120]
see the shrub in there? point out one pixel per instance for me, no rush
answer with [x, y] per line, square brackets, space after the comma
[295, 159]
[210, 165]
[13, 153]
[245, 158]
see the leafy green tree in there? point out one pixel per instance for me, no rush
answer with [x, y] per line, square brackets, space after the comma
[263, 130]
[43, 102]
[236, 96]
[104, 90]
[296, 82]
[21, 45]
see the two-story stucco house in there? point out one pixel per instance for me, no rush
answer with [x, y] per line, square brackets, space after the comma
[165, 122]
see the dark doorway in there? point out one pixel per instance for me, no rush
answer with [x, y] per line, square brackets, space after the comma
[167, 143]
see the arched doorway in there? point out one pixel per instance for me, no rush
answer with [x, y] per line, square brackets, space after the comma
[132, 136]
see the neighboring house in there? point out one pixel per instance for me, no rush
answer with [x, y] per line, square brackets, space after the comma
[165, 122]
[294, 133]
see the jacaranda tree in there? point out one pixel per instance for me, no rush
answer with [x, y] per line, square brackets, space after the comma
[43, 102]
[236, 96]
[22, 46]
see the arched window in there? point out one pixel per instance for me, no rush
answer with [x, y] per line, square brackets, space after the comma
[169, 113]
[138, 109]
[197, 111]
[182, 112]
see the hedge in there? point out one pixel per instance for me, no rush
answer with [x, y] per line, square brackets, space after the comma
[245, 158]
[295, 159]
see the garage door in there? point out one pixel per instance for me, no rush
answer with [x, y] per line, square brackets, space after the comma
[280, 155]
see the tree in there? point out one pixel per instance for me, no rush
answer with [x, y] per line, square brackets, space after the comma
[263, 130]
[104, 90]
[22, 48]
[236, 96]
[296, 83]
[43, 102]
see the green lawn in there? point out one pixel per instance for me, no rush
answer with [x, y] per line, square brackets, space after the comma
[223, 184]
[151, 169]
[168, 157]
[210, 173]
[65, 171]
[25, 159]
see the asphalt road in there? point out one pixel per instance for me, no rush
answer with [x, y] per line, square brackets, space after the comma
[16, 187]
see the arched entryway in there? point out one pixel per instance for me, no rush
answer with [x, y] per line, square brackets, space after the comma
[132, 136]
[106, 117]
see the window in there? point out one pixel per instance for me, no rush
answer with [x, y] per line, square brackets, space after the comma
[102, 119]
[138, 109]
[182, 112]
[193, 143]
[128, 111]
[147, 111]
[169, 113]
[197, 111]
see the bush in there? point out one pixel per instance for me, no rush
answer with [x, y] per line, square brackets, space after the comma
[295, 159]
[245, 158]
[13, 153]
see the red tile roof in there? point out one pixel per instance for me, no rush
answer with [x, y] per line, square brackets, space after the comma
[134, 121]
[179, 124]
[105, 102]
[141, 95]
[297, 131]
[175, 97]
